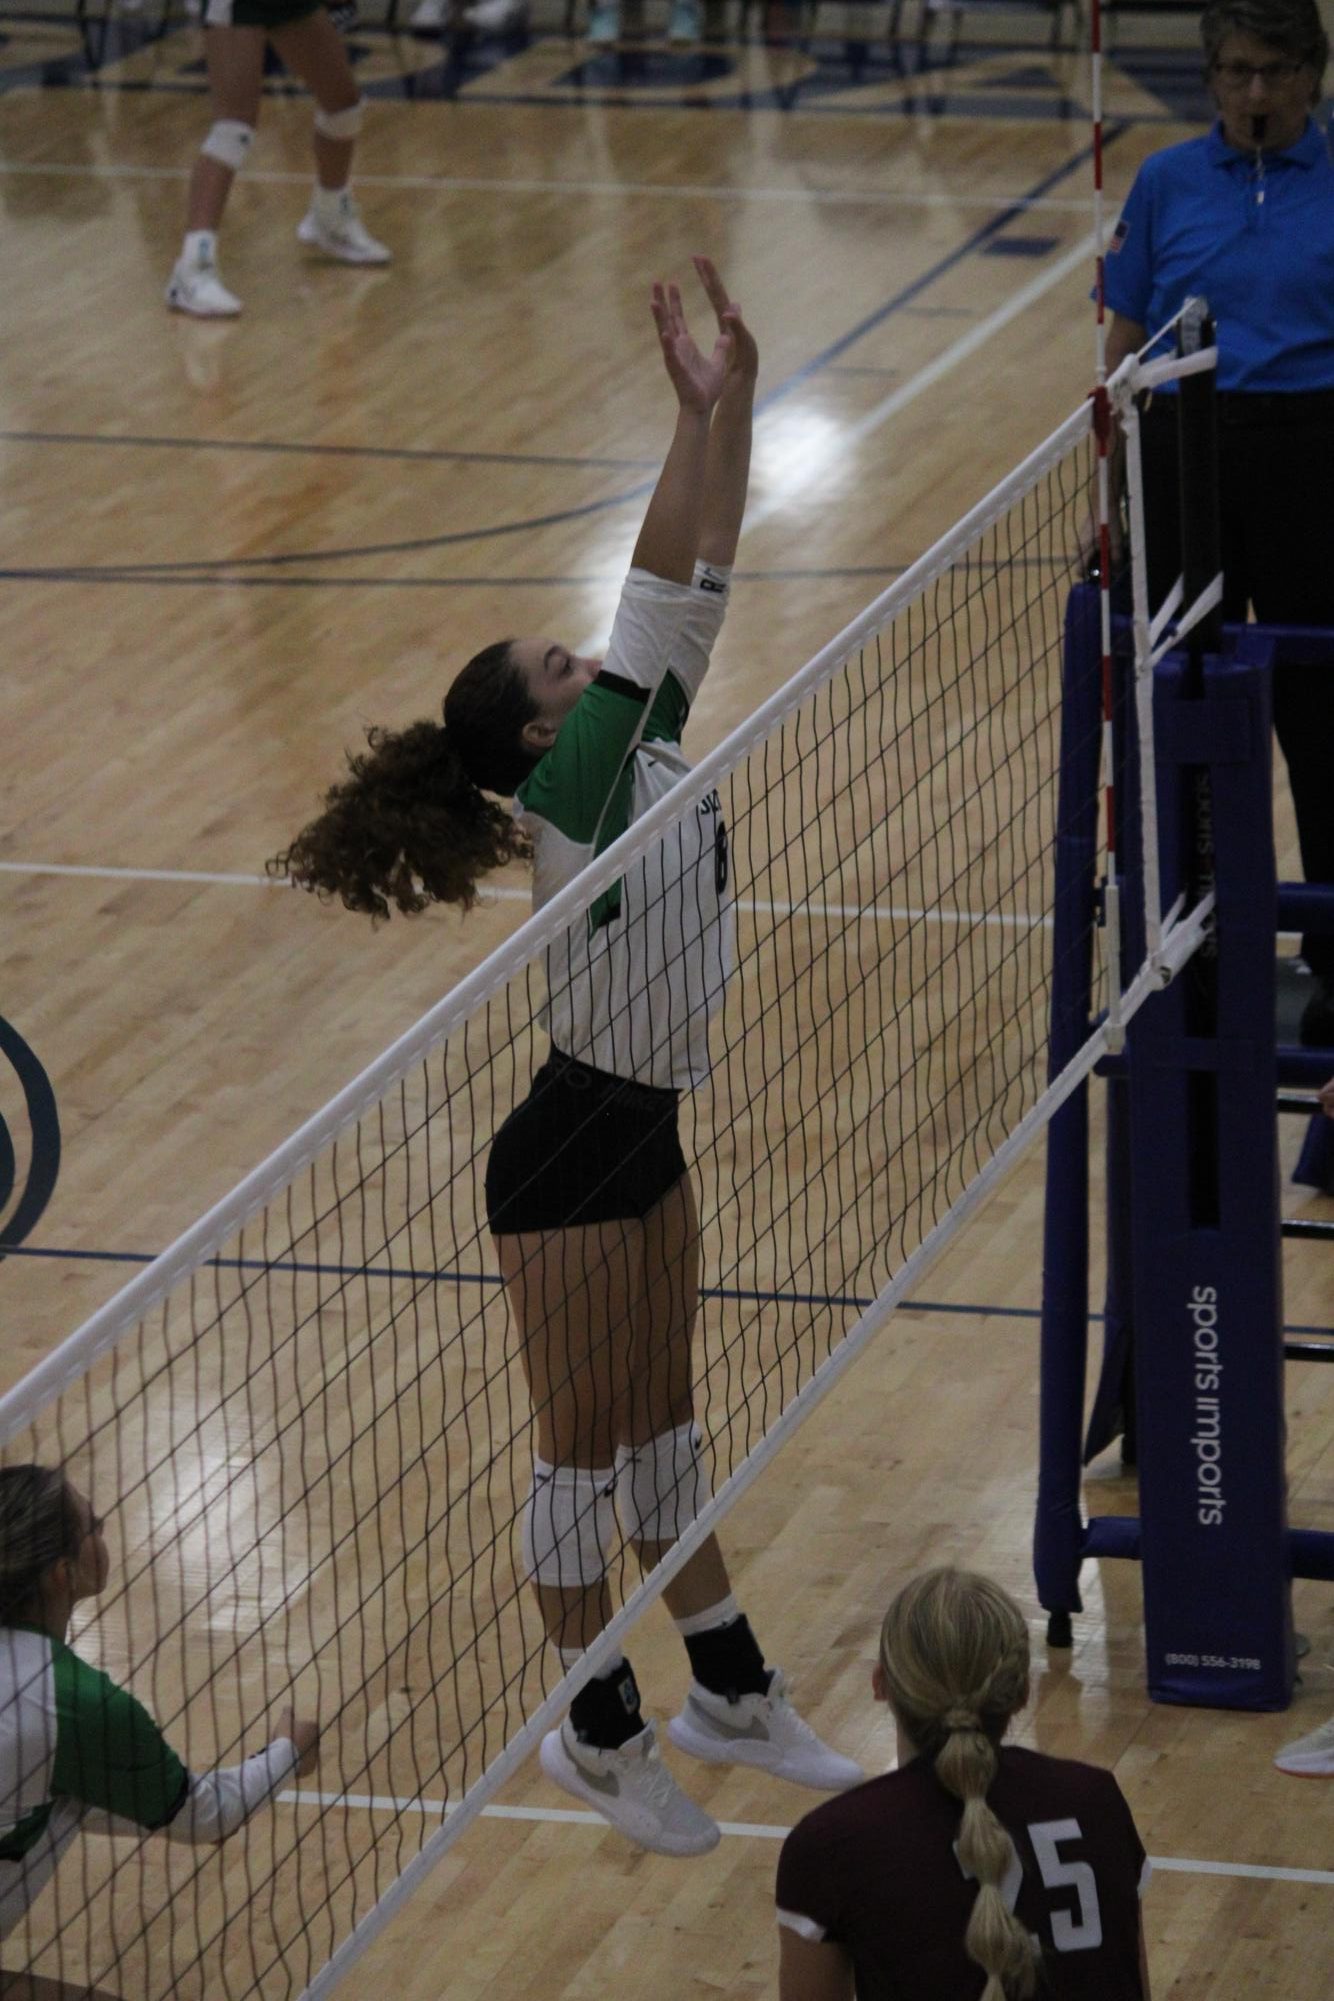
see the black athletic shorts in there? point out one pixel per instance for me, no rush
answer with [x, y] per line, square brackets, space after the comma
[583, 1147]
[258, 13]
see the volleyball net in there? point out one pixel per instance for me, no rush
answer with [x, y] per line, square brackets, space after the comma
[308, 1421]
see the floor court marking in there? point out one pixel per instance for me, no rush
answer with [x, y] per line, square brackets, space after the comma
[651, 190]
[888, 407]
[959, 1309]
[295, 448]
[926, 378]
[757, 1831]
[874, 913]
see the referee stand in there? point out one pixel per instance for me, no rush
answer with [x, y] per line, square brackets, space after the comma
[1194, 1243]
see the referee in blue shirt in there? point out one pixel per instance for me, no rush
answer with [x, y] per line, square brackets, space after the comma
[1245, 216]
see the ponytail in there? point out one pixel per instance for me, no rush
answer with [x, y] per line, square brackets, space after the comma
[39, 1524]
[411, 824]
[954, 1654]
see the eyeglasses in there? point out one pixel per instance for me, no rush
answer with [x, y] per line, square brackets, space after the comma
[1240, 76]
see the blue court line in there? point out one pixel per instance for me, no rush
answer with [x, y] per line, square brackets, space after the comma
[965, 1309]
[460, 72]
[198, 568]
[977, 241]
[427, 455]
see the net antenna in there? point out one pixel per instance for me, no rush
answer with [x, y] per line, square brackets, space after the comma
[310, 1416]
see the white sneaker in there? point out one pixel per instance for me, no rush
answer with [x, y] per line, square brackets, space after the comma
[345, 236]
[497, 17]
[762, 1730]
[427, 14]
[1311, 1757]
[631, 1788]
[195, 287]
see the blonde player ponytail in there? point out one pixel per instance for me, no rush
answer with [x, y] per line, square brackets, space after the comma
[954, 1655]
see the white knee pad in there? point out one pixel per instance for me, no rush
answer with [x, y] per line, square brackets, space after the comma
[230, 141]
[661, 1486]
[339, 124]
[569, 1525]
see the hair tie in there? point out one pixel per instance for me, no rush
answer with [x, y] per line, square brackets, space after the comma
[960, 1718]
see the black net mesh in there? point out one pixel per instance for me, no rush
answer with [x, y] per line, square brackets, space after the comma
[315, 1453]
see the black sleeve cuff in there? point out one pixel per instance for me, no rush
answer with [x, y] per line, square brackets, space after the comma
[616, 684]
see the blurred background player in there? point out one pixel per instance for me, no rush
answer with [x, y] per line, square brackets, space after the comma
[977, 1871]
[76, 1752]
[488, 17]
[235, 32]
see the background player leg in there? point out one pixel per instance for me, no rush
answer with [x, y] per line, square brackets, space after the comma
[235, 61]
[314, 50]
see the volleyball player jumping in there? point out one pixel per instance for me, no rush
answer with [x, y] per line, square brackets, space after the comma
[588, 1194]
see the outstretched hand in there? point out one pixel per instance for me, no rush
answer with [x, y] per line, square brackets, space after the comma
[305, 1735]
[744, 358]
[697, 379]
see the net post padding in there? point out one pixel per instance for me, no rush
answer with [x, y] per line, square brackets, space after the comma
[1060, 1540]
[1208, 1279]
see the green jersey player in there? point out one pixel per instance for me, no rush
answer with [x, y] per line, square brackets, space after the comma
[589, 1197]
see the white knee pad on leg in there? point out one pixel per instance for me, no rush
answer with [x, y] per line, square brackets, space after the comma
[661, 1486]
[339, 124]
[229, 140]
[569, 1525]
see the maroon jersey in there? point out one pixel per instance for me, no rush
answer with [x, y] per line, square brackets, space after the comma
[876, 1872]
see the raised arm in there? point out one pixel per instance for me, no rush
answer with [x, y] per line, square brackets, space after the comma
[669, 539]
[727, 471]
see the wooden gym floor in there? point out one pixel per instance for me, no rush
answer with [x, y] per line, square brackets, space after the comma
[442, 451]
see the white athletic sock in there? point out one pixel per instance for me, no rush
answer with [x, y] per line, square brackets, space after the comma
[721, 1614]
[200, 246]
[329, 202]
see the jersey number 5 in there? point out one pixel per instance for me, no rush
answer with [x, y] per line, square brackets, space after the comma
[1070, 1932]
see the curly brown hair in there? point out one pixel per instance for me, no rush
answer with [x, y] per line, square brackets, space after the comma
[411, 825]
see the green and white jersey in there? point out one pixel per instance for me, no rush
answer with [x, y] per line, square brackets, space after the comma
[631, 987]
[77, 1750]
